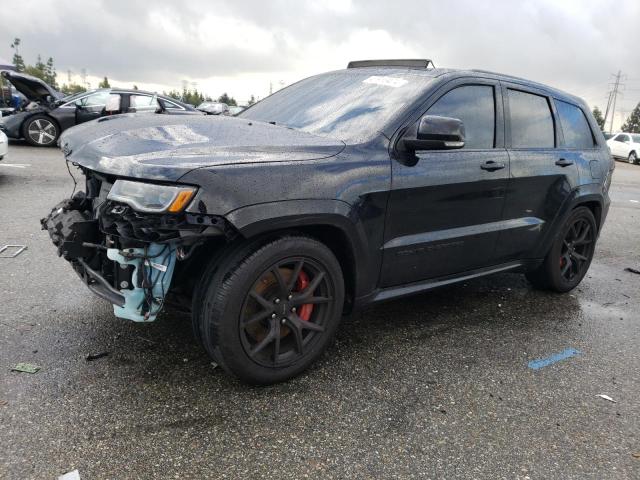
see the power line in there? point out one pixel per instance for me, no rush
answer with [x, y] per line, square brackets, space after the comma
[614, 96]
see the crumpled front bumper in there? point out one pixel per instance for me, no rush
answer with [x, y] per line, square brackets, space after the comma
[134, 280]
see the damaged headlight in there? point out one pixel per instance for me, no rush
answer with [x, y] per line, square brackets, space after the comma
[151, 198]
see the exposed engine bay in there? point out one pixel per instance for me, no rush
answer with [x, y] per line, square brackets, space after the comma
[126, 256]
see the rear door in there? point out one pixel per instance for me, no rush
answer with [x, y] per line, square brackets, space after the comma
[542, 176]
[444, 210]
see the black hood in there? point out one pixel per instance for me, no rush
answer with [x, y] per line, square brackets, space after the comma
[165, 147]
[31, 87]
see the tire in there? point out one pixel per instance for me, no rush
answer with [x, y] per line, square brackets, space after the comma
[41, 131]
[633, 158]
[270, 309]
[569, 258]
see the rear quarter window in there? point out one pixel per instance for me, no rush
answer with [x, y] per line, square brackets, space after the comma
[577, 133]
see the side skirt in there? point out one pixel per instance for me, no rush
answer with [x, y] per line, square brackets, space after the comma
[391, 293]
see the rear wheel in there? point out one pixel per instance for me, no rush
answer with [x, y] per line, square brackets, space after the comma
[267, 314]
[633, 158]
[40, 131]
[568, 260]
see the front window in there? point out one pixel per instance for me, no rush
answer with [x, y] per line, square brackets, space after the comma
[351, 105]
[475, 106]
[143, 103]
[98, 99]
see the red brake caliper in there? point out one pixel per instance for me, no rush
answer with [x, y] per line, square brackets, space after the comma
[301, 283]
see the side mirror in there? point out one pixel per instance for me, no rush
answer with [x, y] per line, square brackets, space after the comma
[436, 133]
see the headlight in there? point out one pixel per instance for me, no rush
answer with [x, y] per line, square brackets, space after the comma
[148, 197]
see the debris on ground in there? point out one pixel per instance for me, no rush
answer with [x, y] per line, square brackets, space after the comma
[3, 403]
[5, 250]
[214, 365]
[557, 357]
[606, 397]
[632, 270]
[26, 368]
[96, 356]
[72, 475]
[636, 455]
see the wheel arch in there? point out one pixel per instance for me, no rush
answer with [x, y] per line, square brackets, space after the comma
[331, 222]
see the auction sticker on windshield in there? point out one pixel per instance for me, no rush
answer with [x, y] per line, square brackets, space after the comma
[386, 81]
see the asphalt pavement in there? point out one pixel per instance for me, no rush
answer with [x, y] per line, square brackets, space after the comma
[441, 385]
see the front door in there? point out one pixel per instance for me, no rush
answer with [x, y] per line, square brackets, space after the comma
[445, 210]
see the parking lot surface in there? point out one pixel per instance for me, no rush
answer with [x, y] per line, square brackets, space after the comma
[435, 386]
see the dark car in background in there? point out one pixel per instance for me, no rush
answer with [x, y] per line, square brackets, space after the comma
[50, 112]
[351, 187]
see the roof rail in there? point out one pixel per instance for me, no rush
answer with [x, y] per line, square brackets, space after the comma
[410, 63]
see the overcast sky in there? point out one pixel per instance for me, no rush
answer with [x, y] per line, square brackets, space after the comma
[240, 46]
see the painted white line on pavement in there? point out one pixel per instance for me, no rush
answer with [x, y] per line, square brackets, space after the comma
[15, 165]
[634, 201]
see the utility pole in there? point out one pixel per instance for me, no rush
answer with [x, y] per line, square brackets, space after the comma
[606, 112]
[614, 94]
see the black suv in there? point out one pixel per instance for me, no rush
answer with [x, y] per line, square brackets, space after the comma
[351, 187]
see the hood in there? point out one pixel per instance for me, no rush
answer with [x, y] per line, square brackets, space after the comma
[31, 87]
[165, 147]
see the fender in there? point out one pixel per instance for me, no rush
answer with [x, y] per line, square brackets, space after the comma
[588, 193]
[13, 123]
[263, 218]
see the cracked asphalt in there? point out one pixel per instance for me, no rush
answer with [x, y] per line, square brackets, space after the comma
[435, 386]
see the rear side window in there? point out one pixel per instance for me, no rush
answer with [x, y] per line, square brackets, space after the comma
[577, 133]
[621, 138]
[475, 106]
[531, 121]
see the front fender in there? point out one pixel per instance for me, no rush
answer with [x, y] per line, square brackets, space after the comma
[263, 218]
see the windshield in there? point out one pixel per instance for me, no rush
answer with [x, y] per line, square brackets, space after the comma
[351, 105]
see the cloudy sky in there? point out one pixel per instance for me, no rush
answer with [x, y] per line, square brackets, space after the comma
[243, 46]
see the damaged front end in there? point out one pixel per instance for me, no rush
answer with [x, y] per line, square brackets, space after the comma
[124, 239]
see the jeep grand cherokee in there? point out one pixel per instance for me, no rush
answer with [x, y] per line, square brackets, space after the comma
[382, 180]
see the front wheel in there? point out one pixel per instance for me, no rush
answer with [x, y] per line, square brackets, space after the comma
[633, 158]
[267, 314]
[40, 131]
[567, 262]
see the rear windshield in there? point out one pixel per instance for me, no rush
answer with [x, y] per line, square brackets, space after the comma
[351, 105]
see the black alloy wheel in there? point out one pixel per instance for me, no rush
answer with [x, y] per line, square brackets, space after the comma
[267, 309]
[569, 258]
[285, 312]
[576, 250]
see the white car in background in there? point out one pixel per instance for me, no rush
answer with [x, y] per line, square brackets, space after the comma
[625, 146]
[4, 145]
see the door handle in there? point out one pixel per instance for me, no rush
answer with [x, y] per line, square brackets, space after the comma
[491, 166]
[564, 163]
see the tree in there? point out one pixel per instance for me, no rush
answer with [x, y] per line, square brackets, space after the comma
[72, 88]
[632, 125]
[50, 73]
[104, 83]
[597, 114]
[224, 98]
[251, 101]
[18, 61]
[135, 87]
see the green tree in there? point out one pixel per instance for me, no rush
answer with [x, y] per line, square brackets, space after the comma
[72, 88]
[251, 101]
[104, 83]
[18, 61]
[50, 73]
[224, 98]
[597, 114]
[135, 87]
[632, 125]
